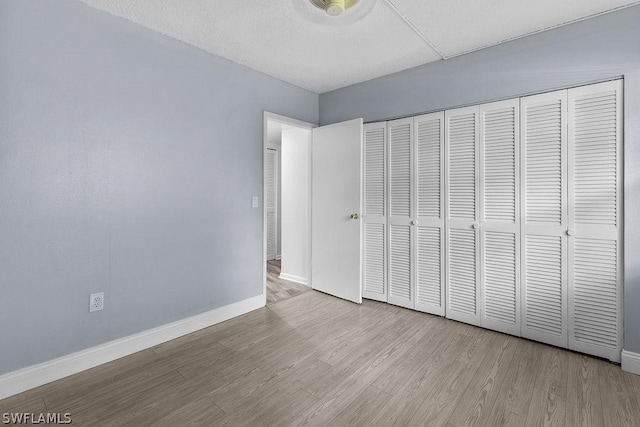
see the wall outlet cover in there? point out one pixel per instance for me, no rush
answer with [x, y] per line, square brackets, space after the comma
[96, 302]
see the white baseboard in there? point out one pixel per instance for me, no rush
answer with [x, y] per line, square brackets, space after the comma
[292, 278]
[631, 362]
[278, 257]
[34, 376]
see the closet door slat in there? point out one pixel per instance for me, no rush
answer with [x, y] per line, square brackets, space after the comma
[400, 292]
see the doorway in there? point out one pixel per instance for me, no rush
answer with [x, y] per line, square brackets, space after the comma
[286, 225]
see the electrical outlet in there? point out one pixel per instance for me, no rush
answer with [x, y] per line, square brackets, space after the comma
[254, 201]
[96, 302]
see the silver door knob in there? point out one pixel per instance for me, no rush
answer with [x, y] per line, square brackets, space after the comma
[355, 216]
[414, 222]
[570, 232]
[474, 226]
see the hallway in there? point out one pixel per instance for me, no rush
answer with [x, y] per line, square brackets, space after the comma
[280, 289]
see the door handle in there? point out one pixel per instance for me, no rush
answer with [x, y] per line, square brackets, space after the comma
[474, 226]
[570, 232]
[414, 222]
[355, 216]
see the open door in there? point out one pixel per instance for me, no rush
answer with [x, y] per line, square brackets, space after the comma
[335, 210]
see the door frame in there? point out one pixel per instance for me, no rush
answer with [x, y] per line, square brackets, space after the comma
[273, 117]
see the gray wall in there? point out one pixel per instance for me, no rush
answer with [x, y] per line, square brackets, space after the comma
[127, 165]
[600, 48]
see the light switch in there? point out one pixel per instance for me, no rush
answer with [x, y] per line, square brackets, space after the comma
[254, 201]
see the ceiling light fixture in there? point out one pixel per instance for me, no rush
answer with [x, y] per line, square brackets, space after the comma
[334, 7]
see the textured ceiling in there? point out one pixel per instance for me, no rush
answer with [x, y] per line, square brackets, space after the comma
[460, 26]
[298, 43]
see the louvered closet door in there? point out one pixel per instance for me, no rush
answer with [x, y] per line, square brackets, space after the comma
[271, 201]
[462, 237]
[429, 228]
[400, 134]
[544, 217]
[500, 216]
[595, 191]
[374, 215]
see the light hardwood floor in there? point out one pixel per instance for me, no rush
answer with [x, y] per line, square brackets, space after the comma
[279, 289]
[317, 360]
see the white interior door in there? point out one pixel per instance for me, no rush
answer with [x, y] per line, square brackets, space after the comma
[271, 202]
[336, 204]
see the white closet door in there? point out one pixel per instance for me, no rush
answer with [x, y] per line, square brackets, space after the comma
[500, 215]
[374, 216]
[544, 217]
[595, 190]
[429, 201]
[271, 202]
[400, 134]
[462, 240]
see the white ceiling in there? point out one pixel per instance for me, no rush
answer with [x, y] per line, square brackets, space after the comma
[300, 44]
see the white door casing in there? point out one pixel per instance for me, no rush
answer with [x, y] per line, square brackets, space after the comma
[336, 195]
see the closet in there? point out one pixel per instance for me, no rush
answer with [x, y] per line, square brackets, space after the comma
[572, 218]
[505, 215]
[415, 233]
[482, 227]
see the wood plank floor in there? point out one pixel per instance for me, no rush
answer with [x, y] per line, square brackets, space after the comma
[279, 289]
[316, 360]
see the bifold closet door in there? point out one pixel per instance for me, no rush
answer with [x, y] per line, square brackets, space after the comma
[400, 153]
[271, 202]
[374, 215]
[500, 216]
[595, 219]
[544, 217]
[462, 237]
[429, 215]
